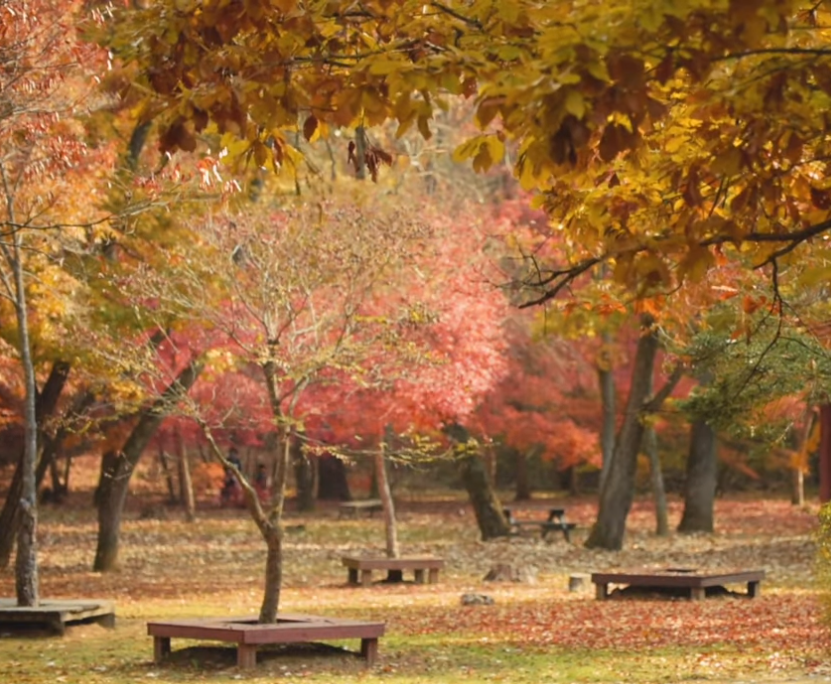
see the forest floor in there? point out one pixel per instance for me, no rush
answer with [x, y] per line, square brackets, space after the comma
[535, 632]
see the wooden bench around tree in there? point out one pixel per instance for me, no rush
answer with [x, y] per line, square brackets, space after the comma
[248, 635]
[694, 580]
[350, 509]
[56, 614]
[360, 569]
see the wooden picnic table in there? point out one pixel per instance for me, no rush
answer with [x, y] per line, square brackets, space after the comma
[556, 520]
[352, 508]
[696, 580]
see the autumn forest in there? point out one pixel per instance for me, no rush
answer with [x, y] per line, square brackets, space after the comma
[261, 258]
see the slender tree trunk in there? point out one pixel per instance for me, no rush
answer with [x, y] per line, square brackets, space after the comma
[387, 503]
[167, 471]
[272, 532]
[801, 464]
[116, 473]
[619, 486]
[658, 489]
[185, 480]
[702, 477]
[47, 403]
[485, 503]
[273, 573]
[304, 477]
[26, 563]
[606, 383]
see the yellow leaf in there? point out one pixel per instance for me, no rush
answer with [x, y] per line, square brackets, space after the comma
[575, 104]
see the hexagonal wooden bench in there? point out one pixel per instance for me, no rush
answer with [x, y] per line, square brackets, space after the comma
[360, 568]
[695, 580]
[248, 635]
[56, 614]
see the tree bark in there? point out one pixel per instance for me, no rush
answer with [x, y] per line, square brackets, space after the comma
[619, 487]
[387, 503]
[702, 476]
[486, 506]
[117, 471]
[46, 404]
[658, 490]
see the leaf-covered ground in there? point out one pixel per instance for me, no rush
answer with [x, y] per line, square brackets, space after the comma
[537, 632]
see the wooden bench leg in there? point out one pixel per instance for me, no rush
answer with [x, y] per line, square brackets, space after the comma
[567, 533]
[107, 621]
[754, 589]
[419, 575]
[369, 650]
[161, 648]
[366, 578]
[601, 591]
[353, 576]
[698, 593]
[433, 575]
[246, 656]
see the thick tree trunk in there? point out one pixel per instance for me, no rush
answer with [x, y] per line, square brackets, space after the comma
[658, 490]
[387, 503]
[116, 473]
[46, 404]
[702, 476]
[619, 487]
[333, 484]
[486, 506]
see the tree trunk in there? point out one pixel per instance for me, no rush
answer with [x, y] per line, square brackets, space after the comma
[523, 485]
[26, 564]
[486, 506]
[619, 486]
[167, 471]
[185, 481]
[801, 454]
[387, 503]
[273, 536]
[606, 382]
[657, 477]
[333, 484]
[116, 473]
[702, 476]
[47, 402]
[304, 477]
